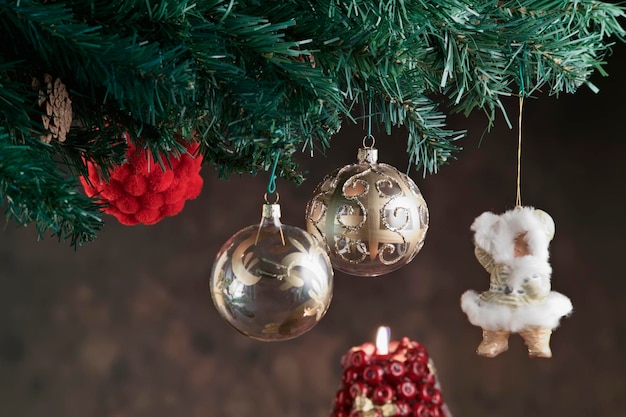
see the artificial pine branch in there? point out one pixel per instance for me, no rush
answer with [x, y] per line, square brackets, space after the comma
[34, 191]
[248, 78]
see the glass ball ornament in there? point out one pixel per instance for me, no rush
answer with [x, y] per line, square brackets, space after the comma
[372, 217]
[272, 282]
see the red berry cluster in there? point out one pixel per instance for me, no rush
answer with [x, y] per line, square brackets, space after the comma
[139, 191]
[402, 378]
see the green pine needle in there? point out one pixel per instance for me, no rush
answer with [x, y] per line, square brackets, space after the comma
[33, 191]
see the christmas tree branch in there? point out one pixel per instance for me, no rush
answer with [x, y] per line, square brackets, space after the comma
[514, 46]
[34, 191]
[247, 79]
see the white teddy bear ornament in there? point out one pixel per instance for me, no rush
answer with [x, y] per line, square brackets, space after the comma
[513, 248]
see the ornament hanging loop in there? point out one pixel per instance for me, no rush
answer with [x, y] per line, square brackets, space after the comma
[268, 202]
[271, 185]
[372, 143]
[368, 154]
[369, 124]
[271, 210]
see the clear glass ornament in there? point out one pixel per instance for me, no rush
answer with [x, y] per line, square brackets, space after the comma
[372, 217]
[270, 281]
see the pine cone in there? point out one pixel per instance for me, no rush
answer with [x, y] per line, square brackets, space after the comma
[58, 105]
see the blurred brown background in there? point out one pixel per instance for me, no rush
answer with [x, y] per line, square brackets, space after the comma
[125, 326]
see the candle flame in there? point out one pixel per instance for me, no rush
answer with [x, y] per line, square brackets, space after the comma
[382, 340]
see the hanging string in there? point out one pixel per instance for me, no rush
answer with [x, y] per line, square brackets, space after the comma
[369, 117]
[518, 198]
[369, 135]
[271, 185]
[271, 189]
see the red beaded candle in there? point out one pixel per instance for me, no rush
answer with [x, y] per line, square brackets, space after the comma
[394, 378]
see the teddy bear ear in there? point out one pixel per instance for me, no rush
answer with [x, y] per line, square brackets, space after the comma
[546, 221]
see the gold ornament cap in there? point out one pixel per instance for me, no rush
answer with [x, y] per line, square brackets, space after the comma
[271, 211]
[367, 155]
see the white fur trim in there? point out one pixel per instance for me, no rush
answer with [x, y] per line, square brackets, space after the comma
[484, 227]
[529, 269]
[495, 234]
[491, 316]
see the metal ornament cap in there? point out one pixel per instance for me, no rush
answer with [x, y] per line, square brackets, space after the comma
[367, 155]
[372, 218]
[271, 211]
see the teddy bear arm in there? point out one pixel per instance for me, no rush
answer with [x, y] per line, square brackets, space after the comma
[485, 259]
[537, 286]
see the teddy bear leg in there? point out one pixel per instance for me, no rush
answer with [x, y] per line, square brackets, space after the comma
[494, 343]
[538, 341]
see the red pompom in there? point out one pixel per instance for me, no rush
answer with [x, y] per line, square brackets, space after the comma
[159, 180]
[127, 204]
[110, 192]
[194, 186]
[148, 216]
[140, 191]
[136, 185]
[120, 173]
[173, 209]
[125, 219]
[152, 201]
[90, 191]
[176, 191]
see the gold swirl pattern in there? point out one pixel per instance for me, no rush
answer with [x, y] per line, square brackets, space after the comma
[272, 281]
[372, 218]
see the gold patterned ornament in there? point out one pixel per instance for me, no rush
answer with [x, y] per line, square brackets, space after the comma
[55, 100]
[272, 282]
[372, 217]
